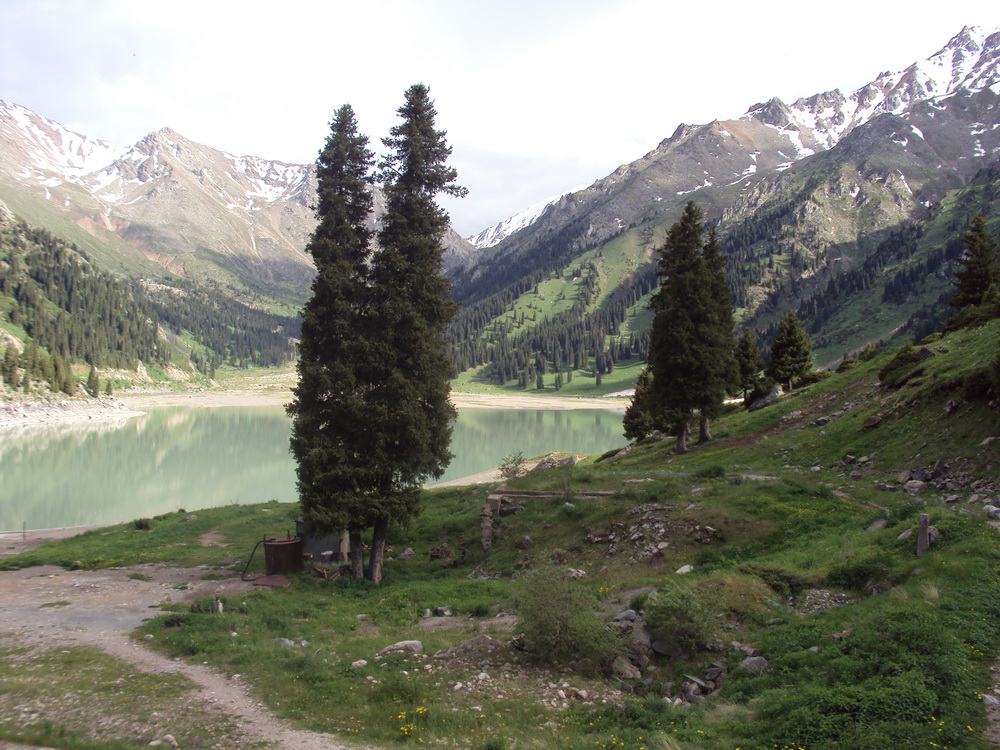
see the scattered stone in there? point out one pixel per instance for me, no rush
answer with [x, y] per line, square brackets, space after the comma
[440, 552]
[403, 647]
[989, 700]
[878, 523]
[684, 570]
[636, 481]
[359, 663]
[914, 486]
[872, 422]
[775, 392]
[824, 420]
[757, 665]
[406, 554]
[950, 407]
[191, 517]
[881, 487]
[624, 669]
[576, 573]
[283, 642]
[629, 615]
[443, 612]
[524, 542]
[987, 441]
[905, 534]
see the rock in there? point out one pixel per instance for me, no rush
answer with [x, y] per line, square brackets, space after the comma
[359, 663]
[881, 487]
[924, 354]
[905, 534]
[624, 450]
[952, 499]
[524, 542]
[623, 669]
[443, 612]
[824, 420]
[878, 523]
[775, 392]
[950, 407]
[191, 517]
[576, 573]
[914, 486]
[684, 570]
[987, 441]
[440, 552]
[283, 642]
[872, 422]
[403, 647]
[629, 615]
[169, 741]
[406, 554]
[757, 665]
[905, 476]
[989, 700]
[992, 511]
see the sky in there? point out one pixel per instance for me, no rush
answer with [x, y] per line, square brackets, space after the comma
[536, 96]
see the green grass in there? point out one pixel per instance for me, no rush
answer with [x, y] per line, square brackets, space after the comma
[790, 506]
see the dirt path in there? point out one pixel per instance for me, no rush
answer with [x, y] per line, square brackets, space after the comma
[100, 609]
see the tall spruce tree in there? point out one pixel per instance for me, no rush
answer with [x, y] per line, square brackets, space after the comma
[690, 349]
[791, 352]
[717, 335]
[335, 421]
[748, 361]
[413, 417]
[980, 265]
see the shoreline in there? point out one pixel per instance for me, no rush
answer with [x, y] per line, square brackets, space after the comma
[219, 399]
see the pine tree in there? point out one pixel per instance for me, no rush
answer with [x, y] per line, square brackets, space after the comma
[334, 421]
[644, 416]
[721, 369]
[791, 352]
[690, 348]
[412, 414]
[93, 382]
[980, 265]
[108, 389]
[748, 361]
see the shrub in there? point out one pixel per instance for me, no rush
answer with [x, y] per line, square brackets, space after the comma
[676, 615]
[142, 524]
[899, 369]
[860, 570]
[556, 615]
[512, 466]
[715, 471]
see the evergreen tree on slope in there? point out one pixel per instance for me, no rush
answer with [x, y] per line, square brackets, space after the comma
[690, 357]
[791, 352]
[331, 409]
[980, 265]
[412, 415]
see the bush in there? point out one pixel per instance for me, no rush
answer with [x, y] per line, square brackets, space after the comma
[899, 369]
[142, 524]
[860, 570]
[556, 615]
[676, 615]
[511, 466]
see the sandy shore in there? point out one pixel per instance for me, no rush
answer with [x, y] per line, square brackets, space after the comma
[211, 399]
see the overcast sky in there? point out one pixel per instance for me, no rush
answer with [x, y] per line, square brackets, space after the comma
[537, 97]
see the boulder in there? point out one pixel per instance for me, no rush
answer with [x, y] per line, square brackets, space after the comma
[775, 392]
[403, 647]
[623, 669]
[757, 665]
[914, 486]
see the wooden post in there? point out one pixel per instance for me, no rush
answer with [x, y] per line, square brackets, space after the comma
[486, 528]
[923, 536]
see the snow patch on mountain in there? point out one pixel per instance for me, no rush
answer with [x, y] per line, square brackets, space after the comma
[494, 234]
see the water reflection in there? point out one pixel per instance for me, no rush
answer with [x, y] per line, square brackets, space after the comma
[110, 471]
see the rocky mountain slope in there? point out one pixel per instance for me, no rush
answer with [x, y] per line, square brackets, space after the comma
[194, 211]
[803, 194]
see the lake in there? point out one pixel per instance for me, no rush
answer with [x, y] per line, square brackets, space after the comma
[171, 458]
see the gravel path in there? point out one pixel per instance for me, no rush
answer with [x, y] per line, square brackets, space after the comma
[104, 606]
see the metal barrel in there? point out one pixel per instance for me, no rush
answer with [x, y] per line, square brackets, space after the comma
[283, 555]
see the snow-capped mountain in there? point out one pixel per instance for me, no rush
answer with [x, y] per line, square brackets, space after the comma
[947, 102]
[501, 230]
[190, 208]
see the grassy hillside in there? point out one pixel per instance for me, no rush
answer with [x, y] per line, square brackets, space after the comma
[802, 544]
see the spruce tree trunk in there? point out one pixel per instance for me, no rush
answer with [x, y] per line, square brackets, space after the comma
[357, 555]
[682, 433]
[705, 432]
[374, 573]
